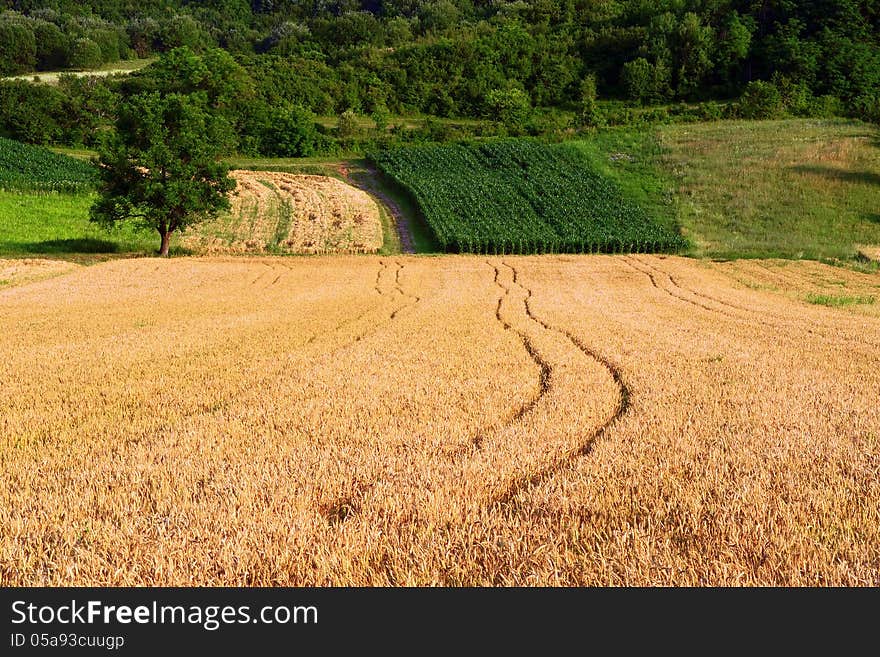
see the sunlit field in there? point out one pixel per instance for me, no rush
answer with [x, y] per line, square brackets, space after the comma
[454, 420]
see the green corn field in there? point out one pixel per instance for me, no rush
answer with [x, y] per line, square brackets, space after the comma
[521, 196]
[32, 168]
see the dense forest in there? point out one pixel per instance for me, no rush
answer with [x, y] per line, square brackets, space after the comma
[531, 66]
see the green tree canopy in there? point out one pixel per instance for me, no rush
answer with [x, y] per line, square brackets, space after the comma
[160, 167]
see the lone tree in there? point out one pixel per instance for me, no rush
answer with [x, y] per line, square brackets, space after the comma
[161, 166]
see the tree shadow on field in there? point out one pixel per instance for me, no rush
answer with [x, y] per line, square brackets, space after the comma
[866, 177]
[79, 245]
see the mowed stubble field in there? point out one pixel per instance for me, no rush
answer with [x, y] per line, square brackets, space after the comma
[359, 420]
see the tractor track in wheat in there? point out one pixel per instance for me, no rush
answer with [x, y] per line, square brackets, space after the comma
[752, 316]
[460, 420]
[584, 449]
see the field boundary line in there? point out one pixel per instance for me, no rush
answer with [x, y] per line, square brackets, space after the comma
[401, 222]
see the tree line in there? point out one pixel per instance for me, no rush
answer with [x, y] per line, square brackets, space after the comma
[520, 63]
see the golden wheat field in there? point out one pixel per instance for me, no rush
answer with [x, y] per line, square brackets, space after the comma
[26, 270]
[456, 420]
[285, 213]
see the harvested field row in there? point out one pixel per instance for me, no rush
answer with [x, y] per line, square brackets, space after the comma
[870, 252]
[456, 420]
[278, 213]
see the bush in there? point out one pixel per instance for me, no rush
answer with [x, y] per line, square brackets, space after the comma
[589, 115]
[380, 117]
[710, 111]
[825, 107]
[620, 116]
[183, 30]
[144, 34]
[18, 48]
[797, 98]
[290, 132]
[760, 100]
[655, 115]
[30, 112]
[510, 107]
[637, 77]
[53, 46]
[110, 43]
[89, 107]
[867, 108]
[347, 126]
[645, 82]
[86, 54]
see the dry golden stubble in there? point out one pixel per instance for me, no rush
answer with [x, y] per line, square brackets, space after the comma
[806, 280]
[281, 212]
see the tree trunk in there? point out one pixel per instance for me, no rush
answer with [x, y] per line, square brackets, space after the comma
[166, 242]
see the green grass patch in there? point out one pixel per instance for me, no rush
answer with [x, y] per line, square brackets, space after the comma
[835, 301]
[522, 196]
[58, 225]
[631, 159]
[796, 188]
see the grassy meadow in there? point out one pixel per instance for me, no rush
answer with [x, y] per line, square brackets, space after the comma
[792, 189]
[58, 225]
[759, 189]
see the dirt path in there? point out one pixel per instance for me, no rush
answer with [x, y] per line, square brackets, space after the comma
[366, 180]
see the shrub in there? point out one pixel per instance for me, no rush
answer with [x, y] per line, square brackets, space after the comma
[347, 125]
[18, 48]
[85, 54]
[589, 114]
[867, 108]
[760, 100]
[30, 112]
[510, 107]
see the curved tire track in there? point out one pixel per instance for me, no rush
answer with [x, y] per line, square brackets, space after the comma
[815, 329]
[546, 371]
[342, 509]
[398, 286]
[347, 507]
[586, 447]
